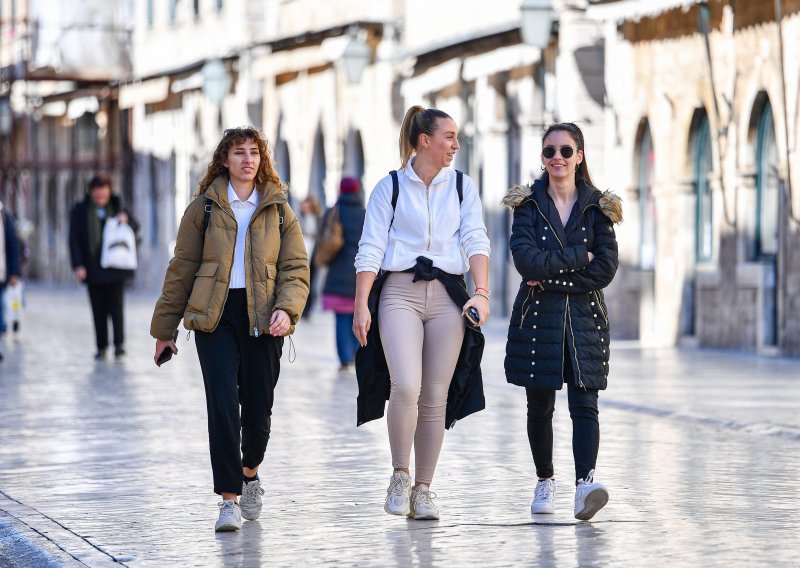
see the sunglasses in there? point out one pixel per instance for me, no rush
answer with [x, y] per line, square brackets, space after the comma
[565, 151]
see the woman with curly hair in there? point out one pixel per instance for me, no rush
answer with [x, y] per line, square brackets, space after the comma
[239, 278]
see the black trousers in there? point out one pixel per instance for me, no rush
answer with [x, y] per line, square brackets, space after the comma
[108, 301]
[585, 427]
[238, 370]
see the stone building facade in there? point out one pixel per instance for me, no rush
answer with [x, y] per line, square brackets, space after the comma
[702, 118]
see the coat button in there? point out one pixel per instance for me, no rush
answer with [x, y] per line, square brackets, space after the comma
[534, 339]
[556, 281]
[543, 238]
[595, 315]
[537, 301]
[531, 375]
[561, 272]
[583, 228]
[586, 240]
[534, 327]
[570, 283]
[601, 339]
[533, 362]
[593, 303]
[598, 327]
[533, 352]
[536, 313]
[546, 227]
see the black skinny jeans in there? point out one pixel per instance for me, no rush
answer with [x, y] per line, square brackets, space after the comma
[108, 302]
[585, 427]
[238, 370]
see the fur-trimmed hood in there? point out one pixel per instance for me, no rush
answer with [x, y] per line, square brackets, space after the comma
[609, 202]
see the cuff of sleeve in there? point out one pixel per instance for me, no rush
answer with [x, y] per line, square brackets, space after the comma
[484, 251]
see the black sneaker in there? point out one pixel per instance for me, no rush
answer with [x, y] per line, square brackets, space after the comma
[100, 355]
[119, 352]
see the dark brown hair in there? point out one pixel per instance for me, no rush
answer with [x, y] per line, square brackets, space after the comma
[100, 180]
[418, 120]
[266, 171]
[582, 173]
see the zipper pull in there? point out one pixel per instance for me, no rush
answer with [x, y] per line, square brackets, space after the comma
[255, 331]
[188, 334]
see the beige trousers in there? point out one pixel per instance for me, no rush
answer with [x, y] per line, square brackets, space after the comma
[422, 331]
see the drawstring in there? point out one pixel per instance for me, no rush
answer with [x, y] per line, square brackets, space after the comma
[292, 357]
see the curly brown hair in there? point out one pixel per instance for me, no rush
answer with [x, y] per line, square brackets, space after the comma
[266, 171]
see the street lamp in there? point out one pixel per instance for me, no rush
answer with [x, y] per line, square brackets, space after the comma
[356, 56]
[536, 22]
[216, 80]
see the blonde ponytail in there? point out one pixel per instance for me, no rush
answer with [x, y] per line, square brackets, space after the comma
[407, 143]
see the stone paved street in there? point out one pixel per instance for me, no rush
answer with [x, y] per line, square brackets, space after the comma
[106, 463]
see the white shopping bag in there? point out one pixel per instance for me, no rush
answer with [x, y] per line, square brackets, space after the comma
[119, 246]
[13, 304]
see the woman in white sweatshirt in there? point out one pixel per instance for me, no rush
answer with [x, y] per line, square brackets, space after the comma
[423, 229]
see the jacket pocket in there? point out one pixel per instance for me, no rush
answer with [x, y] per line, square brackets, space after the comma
[203, 288]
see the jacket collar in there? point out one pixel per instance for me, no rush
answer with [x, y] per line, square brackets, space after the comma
[442, 176]
[218, 193]
[587, 195]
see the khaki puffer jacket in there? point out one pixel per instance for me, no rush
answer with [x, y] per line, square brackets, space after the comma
[276, 265]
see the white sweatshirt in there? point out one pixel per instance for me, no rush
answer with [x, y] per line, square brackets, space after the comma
[427, 222]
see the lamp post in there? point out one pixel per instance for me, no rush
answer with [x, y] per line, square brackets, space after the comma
[356, 56]
[216, 80]
[536, 22]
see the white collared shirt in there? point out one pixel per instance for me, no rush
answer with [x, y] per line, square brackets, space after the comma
[427, 222]
[243, 211]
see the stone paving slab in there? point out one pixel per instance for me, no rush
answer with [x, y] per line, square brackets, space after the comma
[699, 451]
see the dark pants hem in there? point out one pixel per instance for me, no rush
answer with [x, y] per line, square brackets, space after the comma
[108, 302]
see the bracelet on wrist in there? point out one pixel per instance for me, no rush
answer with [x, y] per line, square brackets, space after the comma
[480, 292]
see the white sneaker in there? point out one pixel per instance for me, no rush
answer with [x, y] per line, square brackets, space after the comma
[590, 497]
[398, 495]
[544, 497]
[422, 507]
[250, 502]
[230, 517]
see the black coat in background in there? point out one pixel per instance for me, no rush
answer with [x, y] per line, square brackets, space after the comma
[341, 278]
[569, 317]
[79, 243]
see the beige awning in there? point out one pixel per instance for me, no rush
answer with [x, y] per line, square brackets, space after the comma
[144, 92]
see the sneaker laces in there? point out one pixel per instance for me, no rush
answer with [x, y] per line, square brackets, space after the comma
[397, 487]
[251, 489]
[426, 496]
[543, 490]
[226, 506]
[588, 479]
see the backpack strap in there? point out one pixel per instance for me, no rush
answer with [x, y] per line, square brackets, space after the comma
[460, 186]
[206, 216]
[281, 224]
[395, 193]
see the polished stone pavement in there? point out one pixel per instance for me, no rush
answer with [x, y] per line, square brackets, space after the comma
[106, 463]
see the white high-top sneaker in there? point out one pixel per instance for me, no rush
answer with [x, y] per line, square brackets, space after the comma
[398, 495]
[590, 497]
[544, 497]
[421, 505]
[230, 517]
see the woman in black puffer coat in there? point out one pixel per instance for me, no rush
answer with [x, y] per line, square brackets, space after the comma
[565, 249]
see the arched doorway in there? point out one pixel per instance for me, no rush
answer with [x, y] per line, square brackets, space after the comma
[353, 165]
[764, 247]
[316, 184]
[645, 173]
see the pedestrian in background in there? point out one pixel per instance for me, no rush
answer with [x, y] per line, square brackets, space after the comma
[9, 261]
[423, 222]
[106, 286]
[311, 221]
[239, 278]
[563, 244]
[338, 294]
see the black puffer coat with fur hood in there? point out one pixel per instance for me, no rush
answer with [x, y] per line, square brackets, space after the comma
[567, 316]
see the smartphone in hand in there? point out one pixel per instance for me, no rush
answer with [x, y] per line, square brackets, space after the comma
[165, 356]
[472, 316]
